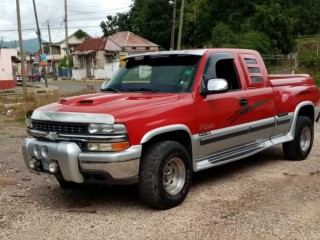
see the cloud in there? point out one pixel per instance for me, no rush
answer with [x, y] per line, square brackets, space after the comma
[84, 15]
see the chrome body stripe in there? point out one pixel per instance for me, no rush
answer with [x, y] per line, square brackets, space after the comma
[72, 117]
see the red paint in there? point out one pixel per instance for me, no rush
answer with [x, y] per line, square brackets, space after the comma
[7, 84]
[144, 112]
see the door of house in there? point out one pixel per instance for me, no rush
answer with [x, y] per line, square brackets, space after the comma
[88, 67]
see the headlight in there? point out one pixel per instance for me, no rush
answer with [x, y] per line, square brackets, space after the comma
[28, 118]
[28, 123]
[101, 128]
[107, 147]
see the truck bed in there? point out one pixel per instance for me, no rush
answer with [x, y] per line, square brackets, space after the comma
[290, 79]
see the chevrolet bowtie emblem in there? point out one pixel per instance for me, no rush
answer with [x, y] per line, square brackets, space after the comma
[52, 136]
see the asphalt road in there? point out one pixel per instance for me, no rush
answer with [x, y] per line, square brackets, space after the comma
[71, 86]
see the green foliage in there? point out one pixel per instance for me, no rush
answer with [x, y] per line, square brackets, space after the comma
[63, 62]
[269, 26]
[119, 22]
[223, 36]
[311, 61]
[80, 34]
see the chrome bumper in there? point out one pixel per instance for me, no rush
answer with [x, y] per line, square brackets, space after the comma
[73, 162]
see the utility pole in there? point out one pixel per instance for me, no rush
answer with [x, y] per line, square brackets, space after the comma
[66, 31]
[174, 5]
[180, 25]
[39, 38]
[21, 51]
[50, 48]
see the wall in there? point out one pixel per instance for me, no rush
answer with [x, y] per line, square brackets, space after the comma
[6, 69]
[106, 73]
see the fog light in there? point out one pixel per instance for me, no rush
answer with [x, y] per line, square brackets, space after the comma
[53, 167]
[36, 150]
[44, 151]
[33, 163]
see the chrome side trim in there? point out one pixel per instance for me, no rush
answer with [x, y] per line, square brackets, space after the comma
[231, 155]
[290, 136]
[73, 117]
[234, 131]
[165, 129]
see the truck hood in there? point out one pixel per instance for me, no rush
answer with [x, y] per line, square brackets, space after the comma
[114, 104]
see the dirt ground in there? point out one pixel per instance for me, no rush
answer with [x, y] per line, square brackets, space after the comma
[261, 197]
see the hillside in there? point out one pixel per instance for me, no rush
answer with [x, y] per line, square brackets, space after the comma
[29, 45]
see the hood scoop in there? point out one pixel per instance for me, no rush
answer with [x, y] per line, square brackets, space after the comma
[85, 102]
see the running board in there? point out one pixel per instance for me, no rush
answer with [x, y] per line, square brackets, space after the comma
[230, 156]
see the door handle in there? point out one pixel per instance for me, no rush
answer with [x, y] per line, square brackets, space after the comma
[243, 102]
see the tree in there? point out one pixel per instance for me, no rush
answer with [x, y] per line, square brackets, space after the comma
[81, 34]
[273, 20]
[152, 19]
[119, 22]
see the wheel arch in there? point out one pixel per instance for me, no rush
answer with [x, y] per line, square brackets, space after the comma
[303, 109]
[307, 111]
[178, 133]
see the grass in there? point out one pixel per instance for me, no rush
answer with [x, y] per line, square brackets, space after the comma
[14, 106]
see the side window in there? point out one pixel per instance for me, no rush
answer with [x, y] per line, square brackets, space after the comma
[255, 77]
[225, 69]
[221, 65]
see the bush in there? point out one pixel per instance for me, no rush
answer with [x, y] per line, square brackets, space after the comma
[311, 61]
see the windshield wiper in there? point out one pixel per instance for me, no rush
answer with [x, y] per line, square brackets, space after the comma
[143, 90]
[110, 89]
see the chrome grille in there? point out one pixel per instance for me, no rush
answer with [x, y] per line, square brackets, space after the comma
[59, 127]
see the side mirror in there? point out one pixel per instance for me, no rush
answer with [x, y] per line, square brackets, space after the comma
[215, 85]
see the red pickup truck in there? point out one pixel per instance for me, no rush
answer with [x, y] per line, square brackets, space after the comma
[168, 114]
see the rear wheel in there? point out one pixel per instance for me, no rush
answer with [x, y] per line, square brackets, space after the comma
[300, 147]
[165, 175]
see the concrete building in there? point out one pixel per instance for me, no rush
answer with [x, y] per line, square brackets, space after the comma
[100, 58]
[8, 68]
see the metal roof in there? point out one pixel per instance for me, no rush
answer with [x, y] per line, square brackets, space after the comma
[129, 39]
[92, 44]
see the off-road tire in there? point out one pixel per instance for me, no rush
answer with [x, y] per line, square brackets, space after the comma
[299, 148]
[165, 175]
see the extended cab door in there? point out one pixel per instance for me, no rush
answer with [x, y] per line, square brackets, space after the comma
[242, 116]
[222, 125]
[261, 103]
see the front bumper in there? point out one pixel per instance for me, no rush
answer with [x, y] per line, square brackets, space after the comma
[78, 166]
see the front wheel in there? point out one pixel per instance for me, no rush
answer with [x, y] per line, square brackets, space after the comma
[300, 147]
[165, 175]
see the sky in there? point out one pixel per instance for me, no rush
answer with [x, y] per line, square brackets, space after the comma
[85, 15]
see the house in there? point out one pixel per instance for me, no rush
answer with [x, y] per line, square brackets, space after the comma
[8, 68]
[100, 58]
[58, 51]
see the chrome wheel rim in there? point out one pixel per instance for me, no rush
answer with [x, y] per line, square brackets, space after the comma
[305, 139]
[174, 176]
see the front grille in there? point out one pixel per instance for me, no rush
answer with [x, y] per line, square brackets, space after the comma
[59, 127]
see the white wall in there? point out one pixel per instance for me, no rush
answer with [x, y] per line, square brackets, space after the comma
[106, 73]
[6, 72]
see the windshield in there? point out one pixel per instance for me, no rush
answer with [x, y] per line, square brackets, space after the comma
[164, 74]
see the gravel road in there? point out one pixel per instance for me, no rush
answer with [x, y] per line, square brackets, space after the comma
[261, 197]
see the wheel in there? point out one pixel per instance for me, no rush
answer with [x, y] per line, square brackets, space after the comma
[300, 147]
[165, 175]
